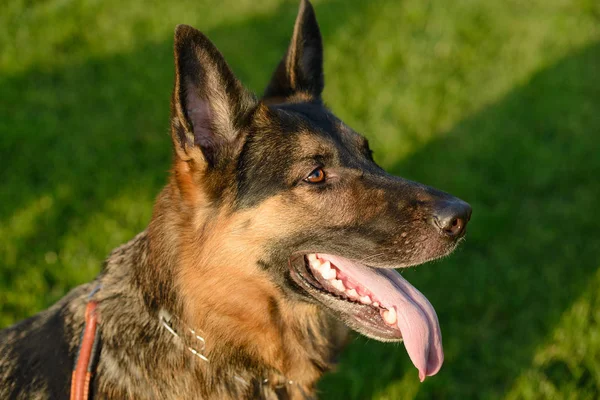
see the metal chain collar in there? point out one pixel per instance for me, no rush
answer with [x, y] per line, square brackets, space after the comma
[165, 319]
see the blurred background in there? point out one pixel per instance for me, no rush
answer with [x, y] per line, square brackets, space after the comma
[497, 102]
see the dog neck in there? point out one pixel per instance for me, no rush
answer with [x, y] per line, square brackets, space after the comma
[252, 331]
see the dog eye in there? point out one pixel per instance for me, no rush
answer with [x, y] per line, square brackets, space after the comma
[317, 176]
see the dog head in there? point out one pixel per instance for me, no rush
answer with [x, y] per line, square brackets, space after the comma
[277, 195]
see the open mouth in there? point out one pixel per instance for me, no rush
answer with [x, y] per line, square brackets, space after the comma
[376, 302]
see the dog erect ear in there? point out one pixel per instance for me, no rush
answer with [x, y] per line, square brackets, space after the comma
[209, 105]
[301, 69]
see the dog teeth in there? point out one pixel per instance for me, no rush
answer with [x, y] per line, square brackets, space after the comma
[389, 316]
[328, 273]
[316, 264]
[322, 267]
[339, 285]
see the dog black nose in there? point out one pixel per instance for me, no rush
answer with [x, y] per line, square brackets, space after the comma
[451, 217]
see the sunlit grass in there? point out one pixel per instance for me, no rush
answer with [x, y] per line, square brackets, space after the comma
[566, 366]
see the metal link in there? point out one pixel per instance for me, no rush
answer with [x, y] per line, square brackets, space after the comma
[165, 319]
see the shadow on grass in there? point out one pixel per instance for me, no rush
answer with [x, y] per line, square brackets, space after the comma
[529, 165]
[74, 139]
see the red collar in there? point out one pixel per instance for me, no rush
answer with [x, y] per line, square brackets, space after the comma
[86, 355]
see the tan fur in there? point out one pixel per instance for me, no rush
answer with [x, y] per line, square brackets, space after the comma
[229, 297]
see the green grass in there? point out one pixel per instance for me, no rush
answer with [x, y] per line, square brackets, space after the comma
[495, 102]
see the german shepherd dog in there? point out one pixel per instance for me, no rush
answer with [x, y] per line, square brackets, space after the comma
[275, 232]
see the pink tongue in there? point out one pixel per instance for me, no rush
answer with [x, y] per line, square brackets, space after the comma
[417, 319]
